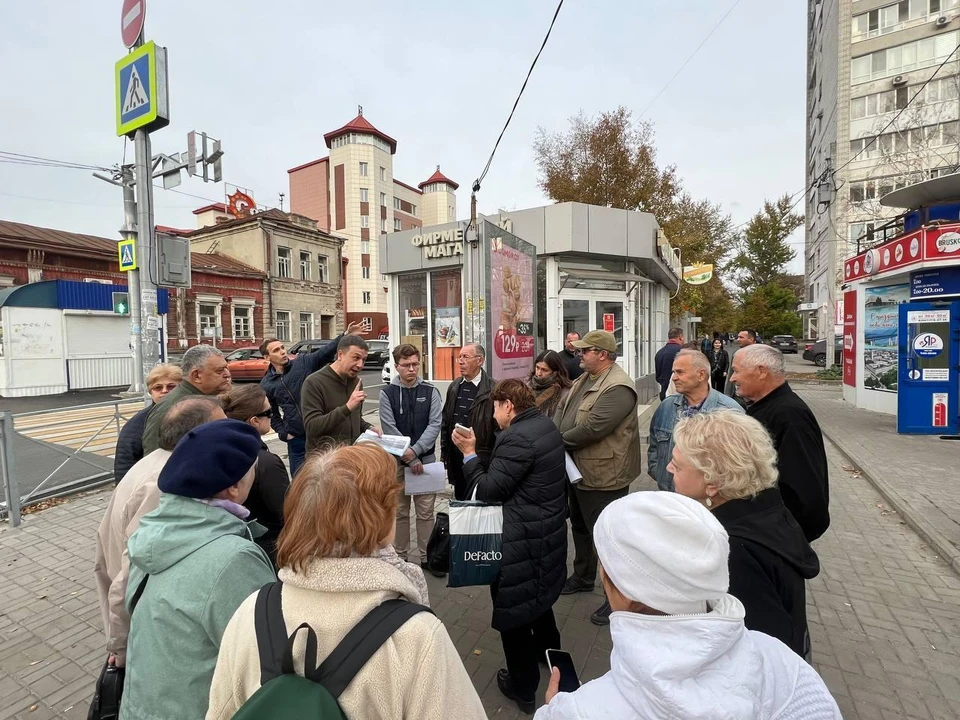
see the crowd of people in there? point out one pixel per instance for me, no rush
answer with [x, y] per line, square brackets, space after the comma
[217, 575]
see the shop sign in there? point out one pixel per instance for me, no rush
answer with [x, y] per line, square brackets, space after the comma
[698, 274]
[609, 321]
[512, 283]
[935, 283]
[940, 401]
[849, 338]
[668, 254]
[441, 244]
[928, 345]
[949, 242]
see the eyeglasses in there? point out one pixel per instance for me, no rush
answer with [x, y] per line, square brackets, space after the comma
[584, 351]
[168, 387]
[409, 366]
[268, 413]
[464, 358]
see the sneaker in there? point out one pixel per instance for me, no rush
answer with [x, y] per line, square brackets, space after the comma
[575, 585]
[602, 615]
[435, 573]
[506, 687]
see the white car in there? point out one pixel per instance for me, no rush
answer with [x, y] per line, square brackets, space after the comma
[386, 374]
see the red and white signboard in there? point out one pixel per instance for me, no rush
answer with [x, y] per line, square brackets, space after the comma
[131, 21]
[608, 319]
[940, 402]
[849, 338]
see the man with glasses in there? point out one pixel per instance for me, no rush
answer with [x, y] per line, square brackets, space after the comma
[283, 383]
[413, 408]
[602, 434]
[468, 404]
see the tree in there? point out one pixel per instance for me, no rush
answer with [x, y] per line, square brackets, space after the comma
[771, 309]
[763, 252]
[611, 161]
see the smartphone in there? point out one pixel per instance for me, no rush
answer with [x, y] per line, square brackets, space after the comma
[463, 428]
[569, 682]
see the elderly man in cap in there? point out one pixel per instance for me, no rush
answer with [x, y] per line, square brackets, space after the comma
[602, 434]
[192, 562]
[680, 647]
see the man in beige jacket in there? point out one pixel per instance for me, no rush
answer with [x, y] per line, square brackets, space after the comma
[135, 496]
[602, 434]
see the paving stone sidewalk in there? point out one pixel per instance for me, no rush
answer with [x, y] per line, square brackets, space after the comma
[917, 474]
[884, 615]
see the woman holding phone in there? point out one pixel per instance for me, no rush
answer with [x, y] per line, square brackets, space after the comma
[527, 475]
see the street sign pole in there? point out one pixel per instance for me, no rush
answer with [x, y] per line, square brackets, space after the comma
[129, 232]
[145, 323]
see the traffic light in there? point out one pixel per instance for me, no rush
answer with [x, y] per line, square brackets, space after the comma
[121, 303]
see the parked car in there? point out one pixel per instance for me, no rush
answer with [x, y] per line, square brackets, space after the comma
[386, 373]
[308, 346]
[378, 355]
[785, 343]
[817, 352]
[247, 364]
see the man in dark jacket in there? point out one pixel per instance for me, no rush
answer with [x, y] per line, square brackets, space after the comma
[468, 404]
[283, 384]
[570, 356]
[332, 398]
[758, 371]
[663, 361]
[526, 474]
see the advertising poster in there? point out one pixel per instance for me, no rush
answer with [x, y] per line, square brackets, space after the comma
[511, 308]
[447, 330]
[850, 338]
[880, 329]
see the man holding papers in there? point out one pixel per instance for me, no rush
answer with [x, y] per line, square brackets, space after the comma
[411, 407]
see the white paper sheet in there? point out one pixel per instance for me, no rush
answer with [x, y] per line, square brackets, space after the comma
[432, 480]
[573, 473]
[393, 444]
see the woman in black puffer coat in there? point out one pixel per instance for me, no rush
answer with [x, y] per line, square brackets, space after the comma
[528, 476]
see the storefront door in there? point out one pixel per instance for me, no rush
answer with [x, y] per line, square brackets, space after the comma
[598, 311]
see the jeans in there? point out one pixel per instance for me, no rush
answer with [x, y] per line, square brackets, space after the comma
[296, 452]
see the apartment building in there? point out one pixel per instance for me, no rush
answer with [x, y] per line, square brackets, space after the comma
[353, 193]
[867, 61]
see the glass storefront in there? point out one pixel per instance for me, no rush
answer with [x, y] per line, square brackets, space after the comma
[412, 293]
[446, 302]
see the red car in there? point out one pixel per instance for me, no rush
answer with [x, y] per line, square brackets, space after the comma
[247, 364]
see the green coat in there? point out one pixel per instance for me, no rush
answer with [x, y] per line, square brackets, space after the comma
[202, 564]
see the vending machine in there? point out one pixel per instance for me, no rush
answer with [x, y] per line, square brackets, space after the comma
[928, 397]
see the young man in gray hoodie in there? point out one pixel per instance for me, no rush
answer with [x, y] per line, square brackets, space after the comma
[413, 408]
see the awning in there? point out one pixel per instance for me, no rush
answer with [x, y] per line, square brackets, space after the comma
[604, 276]
[929, 192]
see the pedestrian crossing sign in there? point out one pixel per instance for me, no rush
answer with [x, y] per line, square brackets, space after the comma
[141, 93]
[127, 252]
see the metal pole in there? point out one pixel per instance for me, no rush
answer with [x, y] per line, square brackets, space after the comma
[10, 486]
[129, 232]
[145, 325]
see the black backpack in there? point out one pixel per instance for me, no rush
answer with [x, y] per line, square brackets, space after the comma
[283, 694]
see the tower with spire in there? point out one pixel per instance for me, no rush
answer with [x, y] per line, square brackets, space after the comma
[439, 199]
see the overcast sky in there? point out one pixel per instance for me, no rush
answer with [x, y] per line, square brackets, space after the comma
[270, 78]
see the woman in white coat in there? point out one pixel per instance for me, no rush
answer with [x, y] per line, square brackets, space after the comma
[680, 648]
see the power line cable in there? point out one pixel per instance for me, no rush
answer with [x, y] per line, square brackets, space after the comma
[20, 158]
[476, 184]
[687, 61]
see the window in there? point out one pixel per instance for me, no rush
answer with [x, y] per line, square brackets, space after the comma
[903, 58]
[323, 268]
[367, 324]
[383, 199]
[383, 174]
[364, 247]
[364, 169]
[383, 225]
[306, 262]
[364, 221]
[283, 262]
[242, 322]
[396, 203]
[207, 317]
[283, 325]
[366, 297]
[364, 195]
[396, 224]
[413, 209]
[306, 326]
[366, 272]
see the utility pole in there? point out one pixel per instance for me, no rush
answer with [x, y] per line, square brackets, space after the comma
[129, 232]
[145, 323]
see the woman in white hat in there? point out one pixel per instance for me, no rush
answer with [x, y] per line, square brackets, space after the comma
[680, 648]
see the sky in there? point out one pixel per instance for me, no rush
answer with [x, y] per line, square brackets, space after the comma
[269, 79]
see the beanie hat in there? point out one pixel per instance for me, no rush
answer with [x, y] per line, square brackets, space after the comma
[210, 458]
[664, 550]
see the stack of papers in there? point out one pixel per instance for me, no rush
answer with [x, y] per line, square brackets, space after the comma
[432, 480]
[393, 444]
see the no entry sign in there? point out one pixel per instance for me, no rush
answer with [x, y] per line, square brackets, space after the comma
[131, 21]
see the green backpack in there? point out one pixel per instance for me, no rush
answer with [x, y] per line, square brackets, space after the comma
[284, 695]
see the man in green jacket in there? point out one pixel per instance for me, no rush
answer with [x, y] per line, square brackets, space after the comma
[332, 398]
[205, 372]
[192, 563]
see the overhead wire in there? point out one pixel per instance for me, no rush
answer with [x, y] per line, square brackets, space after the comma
[691, 56]
[486, 168]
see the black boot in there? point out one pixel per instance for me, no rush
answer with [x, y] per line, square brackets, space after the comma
[602, 615]
[506, 687]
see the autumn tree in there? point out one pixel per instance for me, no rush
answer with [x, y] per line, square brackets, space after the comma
[611, 161]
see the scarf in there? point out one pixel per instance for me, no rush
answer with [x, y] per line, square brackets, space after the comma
[548, 394]
[231, 507]
[414, 574]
